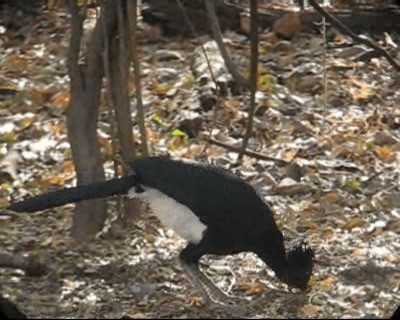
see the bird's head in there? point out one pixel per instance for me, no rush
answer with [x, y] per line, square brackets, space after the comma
[300, 262]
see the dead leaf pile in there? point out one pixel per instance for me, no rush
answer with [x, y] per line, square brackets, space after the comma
[341, 189]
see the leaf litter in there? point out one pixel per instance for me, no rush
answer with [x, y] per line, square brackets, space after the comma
[344, 199]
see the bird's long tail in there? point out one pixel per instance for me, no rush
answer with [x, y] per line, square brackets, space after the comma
[75, 194]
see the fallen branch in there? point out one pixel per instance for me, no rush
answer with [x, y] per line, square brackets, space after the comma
[337, 24]
[249, 153]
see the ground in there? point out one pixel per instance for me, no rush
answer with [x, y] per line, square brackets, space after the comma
[347, 202]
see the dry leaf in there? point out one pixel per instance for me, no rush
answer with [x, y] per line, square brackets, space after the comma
[3, 201]
[17, 63]
[288, 26]
[56, 128]
[39, 96]
[328, 233]
[355, 222]
[326, 283]
[106, 146]
[176, 141]
[310, 310]
[310, 225]
[52, 179]
[68, 166]
[357, 252]
[289, 155]
[333, 196]
[195, 300]
[61, 99]
[149, 238]
[394, 225]
[310, 84]
[253, 286]
[310, 207]
[359, 89]
[383, 152]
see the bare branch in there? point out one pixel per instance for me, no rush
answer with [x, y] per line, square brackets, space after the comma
[77, 19]
[136, 74]
[216, 31]
[249, 153]
[337, 24]
[253, 73]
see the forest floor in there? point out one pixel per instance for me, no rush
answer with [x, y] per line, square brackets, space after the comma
[346, 201]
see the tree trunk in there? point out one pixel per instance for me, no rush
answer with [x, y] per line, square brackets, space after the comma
[119, 61]
[82, 133]
[82, 114]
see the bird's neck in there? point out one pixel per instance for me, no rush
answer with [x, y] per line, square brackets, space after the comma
[274, 255]
[277, 261]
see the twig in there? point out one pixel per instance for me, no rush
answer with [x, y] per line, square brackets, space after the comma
[136, 74]
[111, 101]
[217, 34]
[337, 24]
[253, 73]
[74, 70]
[249, 153]
[195, 33]
[325, 76]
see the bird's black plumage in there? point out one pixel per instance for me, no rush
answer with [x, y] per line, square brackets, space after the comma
[237, 218]
[234, 217]
[396, 313]
[8, 310]
[75, 194]
[230, 208]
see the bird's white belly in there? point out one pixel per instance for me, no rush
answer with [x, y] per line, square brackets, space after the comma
[172, 214]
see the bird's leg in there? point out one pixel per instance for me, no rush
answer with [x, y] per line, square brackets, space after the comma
[192, 271]
[199, 280]
[189, 258]
[214, 290]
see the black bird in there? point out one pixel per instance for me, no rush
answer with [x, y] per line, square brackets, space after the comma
[396, 314]
[8, 310]
[214, 210]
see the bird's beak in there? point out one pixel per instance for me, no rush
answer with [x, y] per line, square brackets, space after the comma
[310, 284]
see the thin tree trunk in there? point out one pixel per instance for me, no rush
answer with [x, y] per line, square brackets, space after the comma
[82, 116]
[119, 61]
[136, 65]
[253, 74]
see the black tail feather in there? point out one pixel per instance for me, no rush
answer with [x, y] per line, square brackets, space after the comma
[70, 195]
